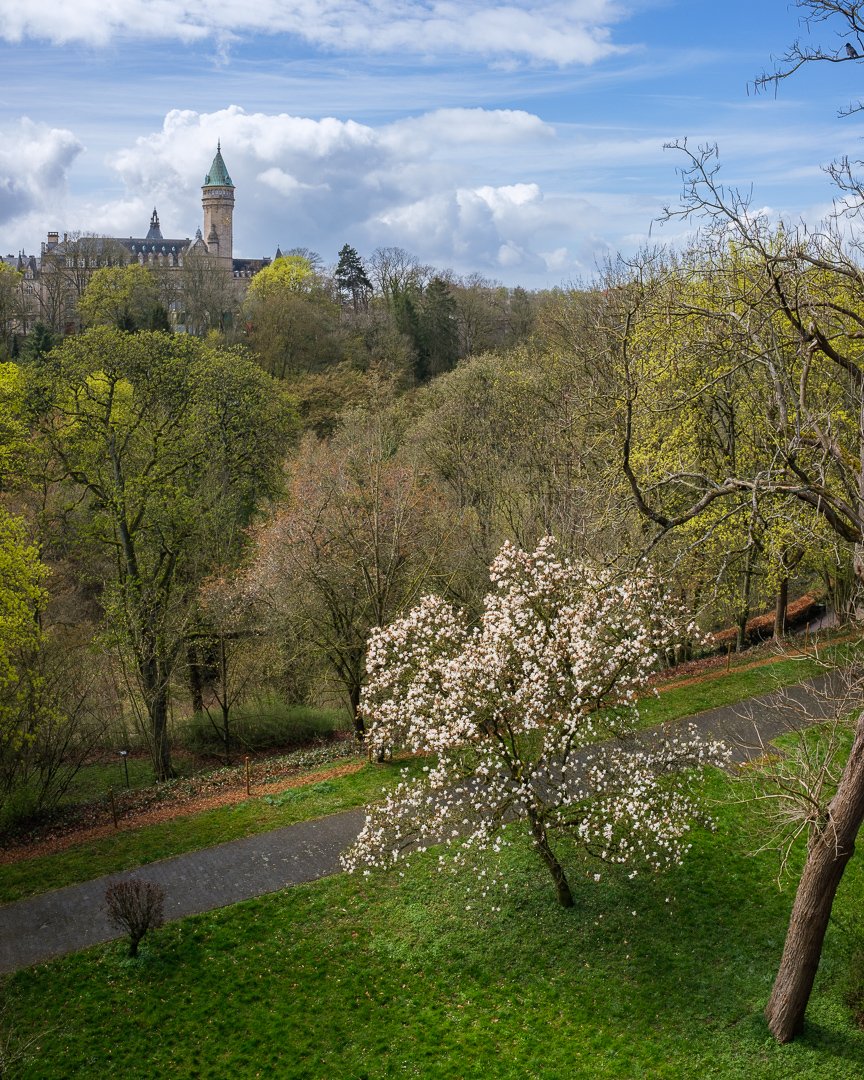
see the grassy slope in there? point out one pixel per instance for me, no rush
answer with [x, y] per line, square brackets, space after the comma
[725, 689]
[129, 849]
[125, 849]
[386, 978]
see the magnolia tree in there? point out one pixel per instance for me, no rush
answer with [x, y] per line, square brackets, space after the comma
[531, 715]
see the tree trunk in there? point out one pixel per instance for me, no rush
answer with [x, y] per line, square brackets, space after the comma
[744, 610]
[226, 729]
[354, 699]
[780, 609]
[541, 842]
[158, 705]
[196, 680]
[830, 850]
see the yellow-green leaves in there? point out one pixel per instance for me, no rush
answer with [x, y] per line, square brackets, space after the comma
[22, 597]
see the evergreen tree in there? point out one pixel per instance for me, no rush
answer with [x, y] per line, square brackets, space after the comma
[439, 329]
[352, 279]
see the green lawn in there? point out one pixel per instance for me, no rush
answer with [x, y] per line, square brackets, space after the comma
[125, 849]
[384, 977]
[129, 849]
[726, 689]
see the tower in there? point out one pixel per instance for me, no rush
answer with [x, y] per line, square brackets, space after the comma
[217, 200]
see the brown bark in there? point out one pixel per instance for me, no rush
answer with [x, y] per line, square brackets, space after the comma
[541, 842]
[831, 848]
[780, 609]
[354, 691]
[744, 610]
[196, 678]
[161, 752]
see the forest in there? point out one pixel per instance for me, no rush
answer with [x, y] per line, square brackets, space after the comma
[212, 496]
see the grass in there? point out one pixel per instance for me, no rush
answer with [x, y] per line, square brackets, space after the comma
[727, 689]
[263, 724]
[92, 782]
[385, 977]
[126, 849]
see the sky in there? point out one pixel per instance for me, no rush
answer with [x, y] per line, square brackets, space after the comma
[521, 140]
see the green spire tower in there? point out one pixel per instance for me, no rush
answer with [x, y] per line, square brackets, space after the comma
[217, 200]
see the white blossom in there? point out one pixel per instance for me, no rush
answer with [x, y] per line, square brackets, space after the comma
[530, 714]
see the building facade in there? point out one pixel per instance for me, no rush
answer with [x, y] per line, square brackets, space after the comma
[53, 281]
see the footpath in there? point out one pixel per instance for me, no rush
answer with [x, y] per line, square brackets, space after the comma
[66, 920]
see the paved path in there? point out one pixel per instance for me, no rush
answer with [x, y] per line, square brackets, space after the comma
[73, 918]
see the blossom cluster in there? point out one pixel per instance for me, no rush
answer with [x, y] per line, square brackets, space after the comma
[530, 714]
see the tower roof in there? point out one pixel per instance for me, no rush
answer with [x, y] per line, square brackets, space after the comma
[218, 175]
[155, 232]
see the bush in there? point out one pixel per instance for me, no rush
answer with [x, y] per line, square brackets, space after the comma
[58, 719]
[263, 724]
[135, 906]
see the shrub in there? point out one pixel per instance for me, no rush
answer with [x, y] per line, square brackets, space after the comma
[135, 906]
[264, 724]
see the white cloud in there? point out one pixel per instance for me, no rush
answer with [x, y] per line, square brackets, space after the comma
[547, 31]
[34, 165]
[496, 191]
[285, 184]
[418, 183]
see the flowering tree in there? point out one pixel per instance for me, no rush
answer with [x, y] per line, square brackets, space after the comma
[528, 714]
[355, 544]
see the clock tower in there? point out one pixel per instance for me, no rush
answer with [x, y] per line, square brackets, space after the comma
[217, 199]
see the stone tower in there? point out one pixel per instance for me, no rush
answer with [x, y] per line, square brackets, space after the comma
[217, 199]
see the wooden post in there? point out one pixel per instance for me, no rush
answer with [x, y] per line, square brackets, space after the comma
[248, 781]
[113, 807]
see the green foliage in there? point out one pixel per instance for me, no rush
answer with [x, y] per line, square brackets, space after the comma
[16, 448]
[351, 277]
[265, 724]
[38, 342]
[438, 343]
[292, 321]
[290, 274]
[10, 307]
[166, 446]
[125, 297]
[22, 599]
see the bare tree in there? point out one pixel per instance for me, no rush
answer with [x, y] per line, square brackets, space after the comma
[135, 906]
[848, 43]
[356, 542]
[809, 790]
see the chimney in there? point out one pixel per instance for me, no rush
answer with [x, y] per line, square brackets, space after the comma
[53, 238]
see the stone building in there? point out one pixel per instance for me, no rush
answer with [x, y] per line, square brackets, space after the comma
[53, 280]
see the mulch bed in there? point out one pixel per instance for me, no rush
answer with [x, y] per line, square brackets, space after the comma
[137, 816]
[74, 823]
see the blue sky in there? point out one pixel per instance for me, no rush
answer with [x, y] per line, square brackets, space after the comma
[522, 141]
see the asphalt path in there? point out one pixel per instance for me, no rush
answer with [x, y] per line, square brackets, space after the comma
[73, 918]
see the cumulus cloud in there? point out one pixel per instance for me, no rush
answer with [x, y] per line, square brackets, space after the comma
[546, 31]
[415, 183]
[418, 183]
[34, 165]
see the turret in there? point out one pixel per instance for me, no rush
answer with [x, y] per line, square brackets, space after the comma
[217, 200]
[155, 233]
